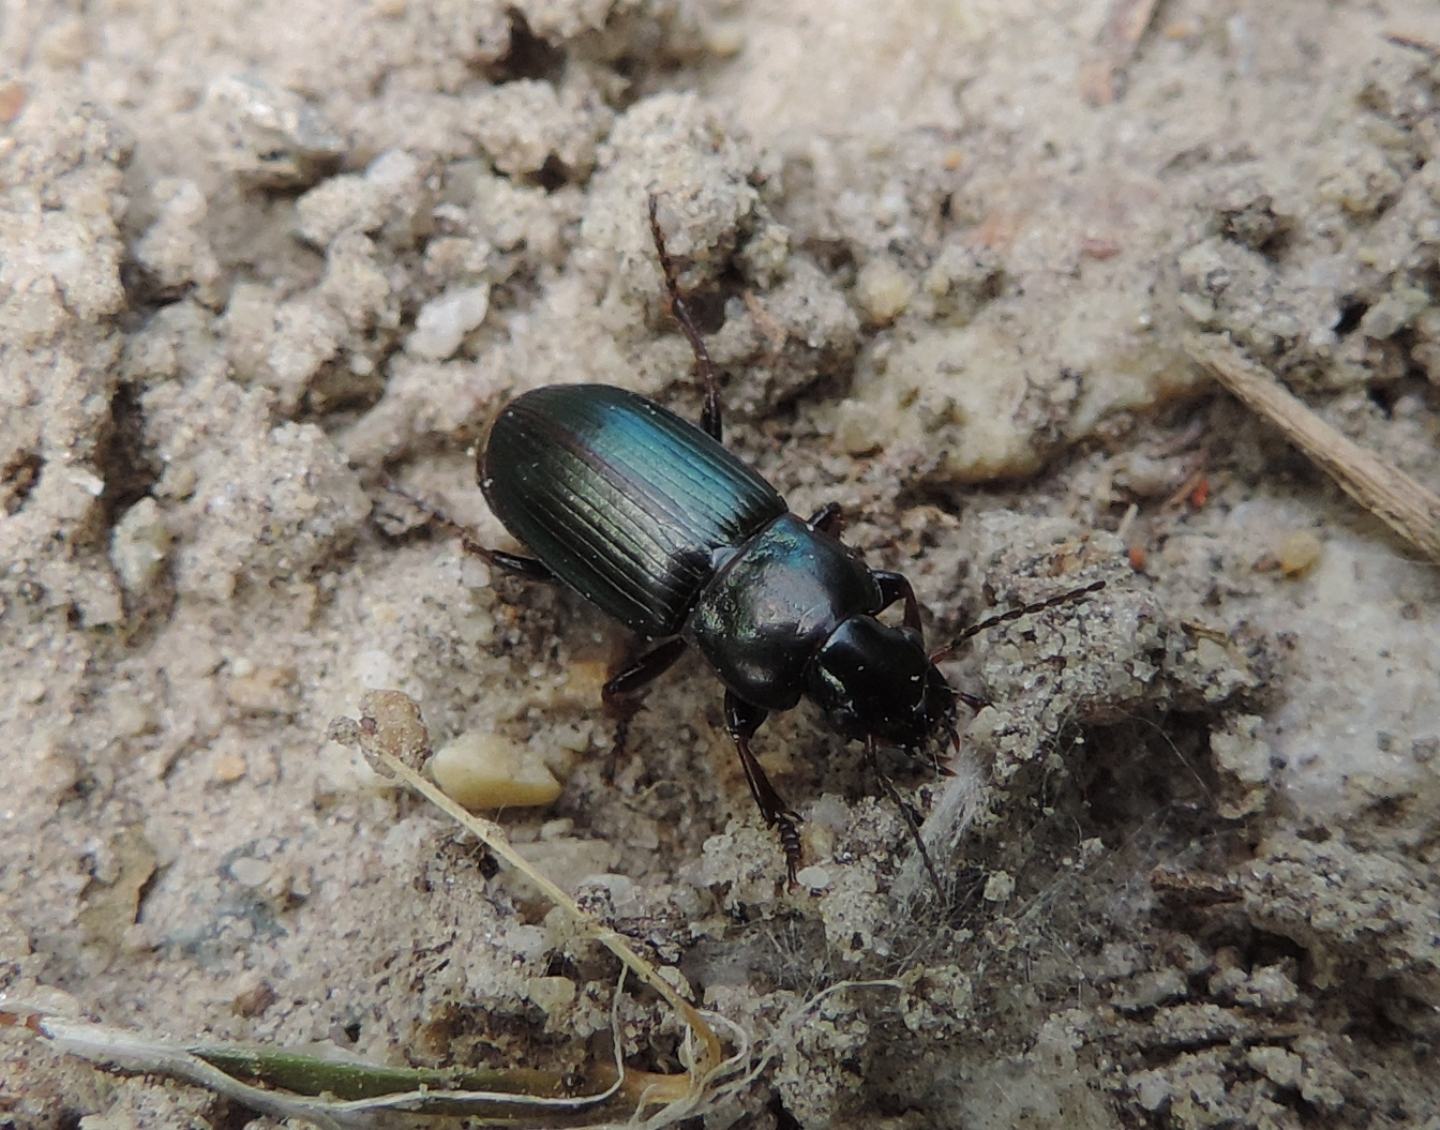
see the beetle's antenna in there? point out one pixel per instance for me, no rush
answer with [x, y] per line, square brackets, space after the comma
[1014, 614]
[906, 814]
[710, 419]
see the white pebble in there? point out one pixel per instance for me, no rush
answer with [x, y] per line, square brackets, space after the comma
[250, 872]
[883, 291]
[480, 771]
[139, 545]
[814, 877]
[999, 887]
[443, 322]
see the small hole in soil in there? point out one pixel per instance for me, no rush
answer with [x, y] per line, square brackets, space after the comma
[1383, 397]
[529, 56]
[1350, 314]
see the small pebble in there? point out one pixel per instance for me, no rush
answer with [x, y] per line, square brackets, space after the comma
[883, 291]
[131, 716]
[139, 545]
[482, 771]
[1297, 553]
[263, 690]
[855, 427]
[250, 872]
[725, 38]
[584, 678]
[1281, 1066]
[552, 995]
[229, 768]
[270, 137]
[814, 877]
[254, 1000]
[443, 322]
[12, 101]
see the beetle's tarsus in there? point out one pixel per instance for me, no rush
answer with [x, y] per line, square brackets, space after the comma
[424, 505]
[937, 766]
[741, 721]
[625, 712]
[790, 844]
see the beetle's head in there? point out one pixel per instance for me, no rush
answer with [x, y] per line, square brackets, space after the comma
[873, 680]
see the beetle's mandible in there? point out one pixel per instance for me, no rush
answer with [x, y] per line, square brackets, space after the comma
[655, 523]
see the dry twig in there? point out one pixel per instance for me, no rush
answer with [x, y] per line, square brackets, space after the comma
[1125, 25]
[1408, 508]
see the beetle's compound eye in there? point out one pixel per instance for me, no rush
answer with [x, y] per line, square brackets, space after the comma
[875, 680]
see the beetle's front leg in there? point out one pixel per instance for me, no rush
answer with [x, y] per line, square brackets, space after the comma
[893, 587]
[741, 721]
[829, 519]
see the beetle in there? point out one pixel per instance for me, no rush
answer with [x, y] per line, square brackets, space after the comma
[654, 522]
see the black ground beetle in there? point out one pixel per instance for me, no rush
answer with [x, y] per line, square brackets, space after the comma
[654, 522]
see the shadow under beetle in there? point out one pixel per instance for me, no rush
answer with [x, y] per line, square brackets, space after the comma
[654, 522]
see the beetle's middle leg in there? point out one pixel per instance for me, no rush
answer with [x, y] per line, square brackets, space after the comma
[621, 691]
[646, 669]
[710, 418]
[741, 721]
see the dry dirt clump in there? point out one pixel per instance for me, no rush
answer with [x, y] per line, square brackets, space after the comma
[257, 260]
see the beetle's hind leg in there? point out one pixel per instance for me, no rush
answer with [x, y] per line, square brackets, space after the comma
[710, 416]
[741, 721]
[621, 693]
[516, 564]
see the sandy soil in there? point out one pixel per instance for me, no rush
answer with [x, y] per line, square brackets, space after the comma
[256, 256]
